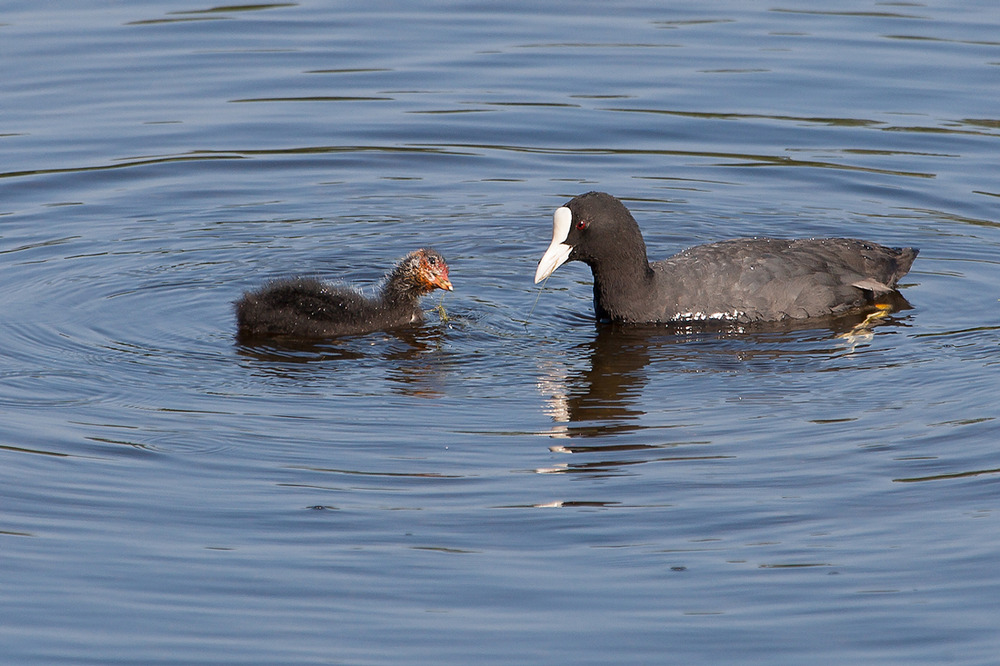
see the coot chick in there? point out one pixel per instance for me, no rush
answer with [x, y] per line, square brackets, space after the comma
[735, 281]
[310, 308]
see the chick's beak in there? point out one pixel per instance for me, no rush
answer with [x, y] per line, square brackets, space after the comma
[442, 282]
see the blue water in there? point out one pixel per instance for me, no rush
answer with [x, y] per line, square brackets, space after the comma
[509, 483]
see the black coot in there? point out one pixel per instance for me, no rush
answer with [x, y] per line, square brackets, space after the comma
[739, 281]
[309, 308]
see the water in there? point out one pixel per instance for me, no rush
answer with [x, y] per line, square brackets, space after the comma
[481, 489]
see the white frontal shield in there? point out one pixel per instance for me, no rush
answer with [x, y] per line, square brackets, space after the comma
[558, 251]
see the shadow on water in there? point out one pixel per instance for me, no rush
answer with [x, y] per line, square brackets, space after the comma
[604, 397]
[409, 357]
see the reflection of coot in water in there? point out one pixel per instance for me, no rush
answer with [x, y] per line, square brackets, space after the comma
[736, 281]
[605, 387]
[309, 308]
[602, 396]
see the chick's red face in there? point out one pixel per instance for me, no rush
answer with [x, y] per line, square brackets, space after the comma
[434, 271]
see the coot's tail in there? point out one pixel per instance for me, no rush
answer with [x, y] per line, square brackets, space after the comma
[884, 266]
[904, 259]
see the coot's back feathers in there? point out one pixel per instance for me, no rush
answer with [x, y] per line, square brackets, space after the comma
[310, 308]
[741, 281]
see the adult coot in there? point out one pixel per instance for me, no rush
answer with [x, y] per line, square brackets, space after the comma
[309, 308]
[741, 281]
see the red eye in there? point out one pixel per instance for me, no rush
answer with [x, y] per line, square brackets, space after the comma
[581, 225]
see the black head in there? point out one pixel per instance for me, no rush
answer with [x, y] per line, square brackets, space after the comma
[592, 228]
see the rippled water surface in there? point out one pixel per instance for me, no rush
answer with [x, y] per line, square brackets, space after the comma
[508, 483]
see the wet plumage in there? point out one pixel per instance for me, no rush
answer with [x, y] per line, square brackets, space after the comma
[742, 280]
[311, 308]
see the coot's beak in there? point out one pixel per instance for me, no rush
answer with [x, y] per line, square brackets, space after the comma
[442, 282]
[558, 251]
